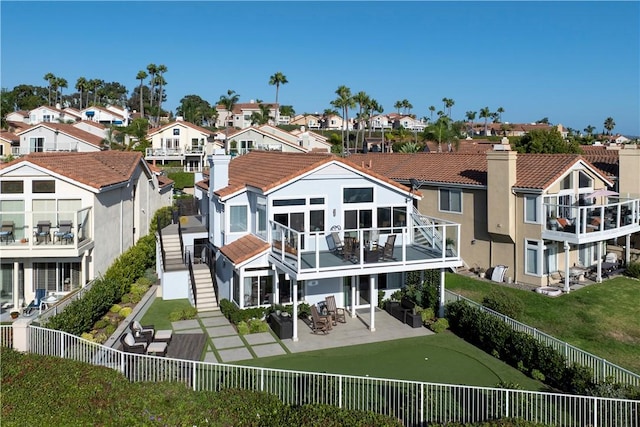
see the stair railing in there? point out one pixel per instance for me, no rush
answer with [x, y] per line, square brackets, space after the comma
[162, 253]
[181, 244]
[192, 279]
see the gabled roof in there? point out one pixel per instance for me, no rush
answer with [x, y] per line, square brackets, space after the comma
[5, 135]
[266, 170]
[91, 123]
[18, 126]
[242, 106]
[48, 107]
[533, 171]
[179, 123]
[95, 107]
[244, 249]
[98, 169]
[69, 130]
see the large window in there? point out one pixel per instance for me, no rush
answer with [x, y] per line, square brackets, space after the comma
[584, 180]
[43, 186]
[316, 220]
[531, 209]
[355, 219]
[261, 226]
[12, 187]
[357, 195]
[532, 257]
[238, 219]
[36, 145]
[450, 200]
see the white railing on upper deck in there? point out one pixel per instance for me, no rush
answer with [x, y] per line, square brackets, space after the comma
[622, 216]
[601, 368]
[411, 402]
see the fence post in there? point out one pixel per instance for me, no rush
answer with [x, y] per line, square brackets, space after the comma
[421, 404]
[339, 391]
[261, 379]
[594, 422]
[506, 404]
[21, 335]
[194, 375]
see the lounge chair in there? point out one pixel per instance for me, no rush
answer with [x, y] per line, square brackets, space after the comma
[35, 303]
[6, 232]
[319, 323]
[43, 231]
[337, 314]
[386, 252]
[64, 232]
[338, 244]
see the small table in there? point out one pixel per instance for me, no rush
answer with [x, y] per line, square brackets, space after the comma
[157, 348]
[46, 303]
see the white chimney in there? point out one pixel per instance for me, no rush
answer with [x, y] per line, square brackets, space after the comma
[219, 173]
[179, 119]
[302, 128]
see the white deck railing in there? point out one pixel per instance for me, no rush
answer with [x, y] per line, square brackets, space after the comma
[412, 402]
[601, 368]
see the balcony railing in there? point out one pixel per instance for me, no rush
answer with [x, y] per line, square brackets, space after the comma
[317, 252]
[174, 152]
[605, 220]
[45, 229]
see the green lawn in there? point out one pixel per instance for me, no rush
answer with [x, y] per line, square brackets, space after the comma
[158, 313]
[603, 319]
[442, 358]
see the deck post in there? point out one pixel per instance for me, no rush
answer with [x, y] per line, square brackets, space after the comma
[566, 267]
[295, 311]
[441, 308]
[373, 282]
[353, 297]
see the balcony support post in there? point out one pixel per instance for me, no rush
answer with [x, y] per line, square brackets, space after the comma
[373, 300]
[295, 311]
[566, 267]
[441, 298]
[599, 265]
[627, 249]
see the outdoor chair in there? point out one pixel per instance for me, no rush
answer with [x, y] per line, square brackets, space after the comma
[130, 345]
[147, 331]
[64, 232]
[338, 244]
[319, 323]
[43, 231]
[35, 303]
[350, 248]
[6, 232]
[386, 252]
[337, 314]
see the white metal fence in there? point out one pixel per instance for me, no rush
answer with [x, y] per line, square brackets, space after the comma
[601, 368]
[413, 403]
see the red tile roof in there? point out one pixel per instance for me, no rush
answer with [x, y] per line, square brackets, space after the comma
[244, 249]
[180, 122]
[9, 136]
[96, 169]
[266, 170]
[70, 130]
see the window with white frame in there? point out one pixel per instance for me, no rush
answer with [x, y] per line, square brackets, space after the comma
[36, 145]
[238, 219]
[584, 180]
[450, 200]
[261, 225]
[531, 213]
[532, 257]
[176, 131]
[46, 118]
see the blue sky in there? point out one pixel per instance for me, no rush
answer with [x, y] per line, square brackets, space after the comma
[576, 63]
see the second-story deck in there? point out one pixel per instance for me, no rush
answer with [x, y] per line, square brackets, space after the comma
[591, 223]
[323, 254]
[46, 233]
[173, 153]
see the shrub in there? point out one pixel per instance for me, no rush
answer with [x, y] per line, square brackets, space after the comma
[126, 311]
[110, 329]
[184, 314]
[115, 308]
[304, 310]
[503, 302]
[439, 325]
[633, 270]
[427, 315]
[126, 299]
[87, 336]
[243, 328]
[257, 326]
[102, 323]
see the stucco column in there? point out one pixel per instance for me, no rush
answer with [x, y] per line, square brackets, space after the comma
[21, 334]
[627, 249]
[441, 308]
[599, 264]
[566, 267]
[295, 311]
[353, 297]
[16, 287]
[373, 291]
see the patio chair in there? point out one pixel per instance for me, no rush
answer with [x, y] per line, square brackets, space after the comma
[337, 314]
[147, 331]
[350, 247]
[64, 231]
[130, 345]
[386, 252]
[6, 232]
[35, 303]
[338, 244]
[43, 231]
[319, 323]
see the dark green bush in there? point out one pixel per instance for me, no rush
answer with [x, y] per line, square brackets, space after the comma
[633, 270]
[504, 303]
[162, 218]
[182, 179]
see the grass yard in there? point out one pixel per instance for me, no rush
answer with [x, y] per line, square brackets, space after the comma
[603, 319]
[159, 311]
[441, 358]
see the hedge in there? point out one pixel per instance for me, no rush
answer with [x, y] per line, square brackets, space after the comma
[522, 351]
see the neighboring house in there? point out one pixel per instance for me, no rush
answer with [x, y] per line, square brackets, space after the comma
[9, 144]
[241, 116]
[380, 122]
[181, 141]
[335, 122]
[309, 121]
[92, 127]
[72, 215]
[619, 139]
[534, 213]
[269, 138]
[57, 137]
[408, 122]
[105, 116]
[18, 116]
[72, 114]
[272, 219]
[46, 114]
[515, 129]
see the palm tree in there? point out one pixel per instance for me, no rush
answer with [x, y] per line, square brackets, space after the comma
[362, 100]
[161, 82]
[61, 82]
[345, 102]
[500, 110]
[398, 106]
[141, 76]
[373, 108]
[94, 85]
[81, 86]
[407, 106]
[609, 124]
[471, 116]
[276, 80]
[485, 113]
[152, 69]
[432, 109]
[228, 101]
[49, 78]
[589, 130]
[448, 103]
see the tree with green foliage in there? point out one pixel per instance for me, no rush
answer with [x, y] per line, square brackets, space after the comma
[448, 103]
[81, 87]
[410, 147]
[228, 101]
[161, 82]
[141, 76]
[196, 110]
[362, 100]
[545, 141]
[485, 114]
[287, 110]
[276, 80]
[135, 135]
[261, 117]
[471, 116]
[28, 97]
[50, 78]
[609, 124]
[444, 131]
[344, 101]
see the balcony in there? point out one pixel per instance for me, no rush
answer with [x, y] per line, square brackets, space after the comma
[313, 255]
[591, 223]
[31, 240]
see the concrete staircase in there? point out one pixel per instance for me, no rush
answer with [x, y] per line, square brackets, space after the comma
[205, 295]
[172, 252]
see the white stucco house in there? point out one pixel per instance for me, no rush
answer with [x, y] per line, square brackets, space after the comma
[70, 216]
[45, 137]
[270, 138]
[274, 218]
